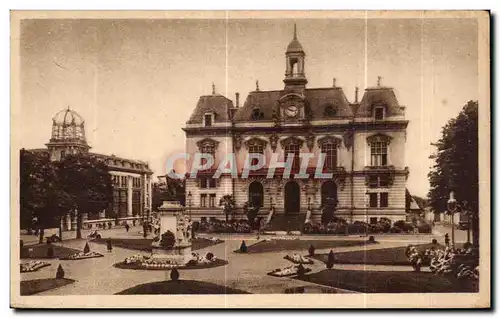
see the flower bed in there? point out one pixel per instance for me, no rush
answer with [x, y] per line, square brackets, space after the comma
[298, 259]
[81, 255]
[461, 263]
[282, 238]
[287, 271]
[33, 266]
[151, 263]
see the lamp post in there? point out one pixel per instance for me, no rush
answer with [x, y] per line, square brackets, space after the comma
[452, 208]
[466, 211]
[189, 197]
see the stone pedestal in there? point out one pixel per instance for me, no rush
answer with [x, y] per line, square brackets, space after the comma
[171, 218]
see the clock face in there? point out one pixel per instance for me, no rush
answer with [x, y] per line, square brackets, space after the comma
[292, 110]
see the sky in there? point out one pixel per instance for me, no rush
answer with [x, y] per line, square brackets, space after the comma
[136, 81]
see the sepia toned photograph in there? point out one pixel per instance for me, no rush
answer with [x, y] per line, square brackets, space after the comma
[250, 159]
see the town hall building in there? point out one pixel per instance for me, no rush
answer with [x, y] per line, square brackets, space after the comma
[363, 143]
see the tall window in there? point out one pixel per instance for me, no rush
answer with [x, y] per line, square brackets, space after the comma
[203, 200]
[207, 146]
[330, 151]
[256, 194]
[207, 183]
[379, 153]
[373, 200]
[293, 149]
[255, 146]
[208, 120]
[211, 201]
[379, 113]
[381, 181]
[384, 200]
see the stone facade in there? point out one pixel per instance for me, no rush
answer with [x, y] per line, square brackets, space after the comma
[363, 143]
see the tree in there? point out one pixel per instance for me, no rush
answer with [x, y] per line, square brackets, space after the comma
[42, 199]
[228, 204]
[456, 165]
[87, 182]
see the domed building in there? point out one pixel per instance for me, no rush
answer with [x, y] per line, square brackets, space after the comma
[68, 135]
[132, 196]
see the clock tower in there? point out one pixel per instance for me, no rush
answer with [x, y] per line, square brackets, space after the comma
[295, 79]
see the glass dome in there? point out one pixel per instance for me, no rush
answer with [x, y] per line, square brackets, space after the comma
[68, 125]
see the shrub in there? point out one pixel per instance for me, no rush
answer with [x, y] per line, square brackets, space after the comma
[399, 224]
[196, 226]
[86, 249]
[243, 247]
[311, 250]
[167, 240]
[60, 272]
[209, 256]
[109, 245]
[395, 229]
[174, 275]
[371, 239]
[50, 252]
[331, 257]
[434, 241]
[425, 228]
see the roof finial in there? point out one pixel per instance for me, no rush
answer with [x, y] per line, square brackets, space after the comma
[257, 85]
[356, 94]
[213, 88]
[68, 108]
[295, 31]
[378, 80]
[334, 82]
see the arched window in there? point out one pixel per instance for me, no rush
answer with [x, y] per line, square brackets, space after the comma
[291, 146]
[256, 194]
[328, 146]
[256, 146]
[378, 149]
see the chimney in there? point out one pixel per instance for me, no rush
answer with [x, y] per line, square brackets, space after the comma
[356, 95]
[237, 100]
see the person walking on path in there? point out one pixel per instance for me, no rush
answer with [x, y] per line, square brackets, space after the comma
[127, 227]
[110, 246]
[446, 239]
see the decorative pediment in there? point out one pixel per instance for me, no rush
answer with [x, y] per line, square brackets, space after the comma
[291, 141]
[207, 142]
[329, 139]
[378, 138]
[255, 142]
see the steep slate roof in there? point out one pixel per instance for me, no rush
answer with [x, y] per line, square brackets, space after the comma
[379, 95]
[317, 99]
[211, 103]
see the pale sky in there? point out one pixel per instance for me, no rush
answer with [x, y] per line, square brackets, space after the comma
[136, 82]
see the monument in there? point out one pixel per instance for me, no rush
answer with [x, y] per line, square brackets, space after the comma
[171, 218]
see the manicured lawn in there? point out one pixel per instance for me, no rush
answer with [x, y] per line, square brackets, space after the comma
[382, 256]
[296, 245]
[145, 244]
[31, 287]
[391, 282]
[40, 251]
[179, 287]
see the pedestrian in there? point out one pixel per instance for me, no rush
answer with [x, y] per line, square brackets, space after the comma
[446, 240]
[109, 225]
[110, 246]
[127, 227]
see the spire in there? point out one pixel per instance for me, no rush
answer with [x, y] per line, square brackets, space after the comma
[213, 88]
[295, 31]
[257, 85]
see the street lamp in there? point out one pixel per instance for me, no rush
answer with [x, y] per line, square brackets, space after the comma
[189, 197]
[452, 208]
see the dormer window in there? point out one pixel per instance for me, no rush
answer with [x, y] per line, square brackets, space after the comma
[378, 112]
[330, 111]
[257, 114]
[208, 120]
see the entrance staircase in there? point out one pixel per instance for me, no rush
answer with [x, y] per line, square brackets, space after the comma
[287, 222]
